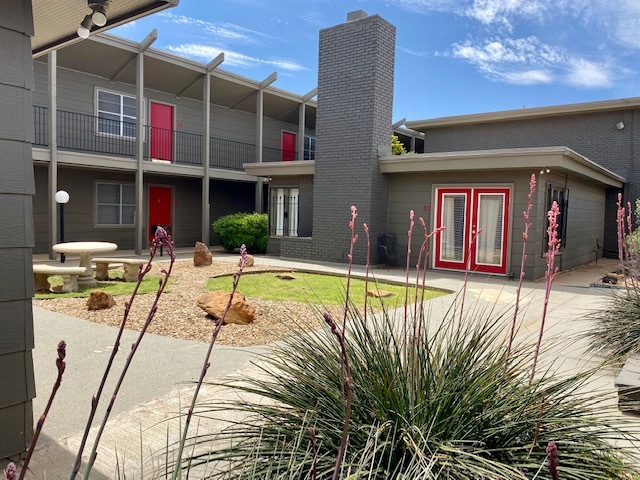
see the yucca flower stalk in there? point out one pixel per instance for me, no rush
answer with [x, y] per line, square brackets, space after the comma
[162, 238]
[354, 239]
[406, 280]
[525, 237]
[11, 470]
[631, 258]
[467, 268]
[553, 246]
[207, 364]
[464, 410]
[622, 237]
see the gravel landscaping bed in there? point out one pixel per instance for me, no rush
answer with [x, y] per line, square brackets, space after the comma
[178, 315]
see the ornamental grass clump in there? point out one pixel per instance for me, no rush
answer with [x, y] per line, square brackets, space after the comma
[406, 395]
[614, 332]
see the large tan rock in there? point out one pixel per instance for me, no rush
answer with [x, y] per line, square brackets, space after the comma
[202, 256]
[99, 300]
[214, 303]
[249, 262]
[377, 293]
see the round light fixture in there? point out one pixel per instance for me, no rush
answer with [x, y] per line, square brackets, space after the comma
[99, 17]
[83, 32]
[61, 196]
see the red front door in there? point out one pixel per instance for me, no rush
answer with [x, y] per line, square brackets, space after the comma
[288, 146]
[159, 209]
[476, 229]
[161, 141]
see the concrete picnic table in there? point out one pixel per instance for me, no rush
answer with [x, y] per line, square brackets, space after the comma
[85, 250]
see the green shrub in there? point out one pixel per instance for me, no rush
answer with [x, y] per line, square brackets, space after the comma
[252, 229]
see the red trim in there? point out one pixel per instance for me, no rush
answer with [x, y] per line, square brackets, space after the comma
[471, 220]
[503, 192]
[441, 192]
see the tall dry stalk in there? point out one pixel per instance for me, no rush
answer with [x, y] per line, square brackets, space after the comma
[552, 250]
[162, 238]
[525, 238]
[206, 364]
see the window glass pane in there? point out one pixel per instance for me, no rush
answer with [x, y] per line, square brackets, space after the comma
[489, 240]
[108, 97]
[128, 195]
[129, 102]
[108, 193]
[453, 219]
[108, 214]
[110, 107]
[128, 214]
[129, 111]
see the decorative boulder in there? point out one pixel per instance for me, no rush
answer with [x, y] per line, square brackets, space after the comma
[379, 293]
[215, 303]
[99, 300]
[286, 276]
[202, 256]
[249, 261]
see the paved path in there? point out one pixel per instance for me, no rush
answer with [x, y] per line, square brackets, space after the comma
[153, 392]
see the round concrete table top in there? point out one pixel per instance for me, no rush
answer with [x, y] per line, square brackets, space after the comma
[84, 247]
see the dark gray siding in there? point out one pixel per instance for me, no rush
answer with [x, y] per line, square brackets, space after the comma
[16, 217]
[593, 135]
[585, 216]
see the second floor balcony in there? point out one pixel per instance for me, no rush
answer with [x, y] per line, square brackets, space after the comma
[95, 135]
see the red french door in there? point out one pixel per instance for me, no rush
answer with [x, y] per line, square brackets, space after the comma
[161, 134]
[288, 146]
[476, 229]
[160, 206]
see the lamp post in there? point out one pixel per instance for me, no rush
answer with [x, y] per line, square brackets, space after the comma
[61, 198]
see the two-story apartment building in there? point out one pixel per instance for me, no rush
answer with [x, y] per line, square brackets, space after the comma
[140, 133]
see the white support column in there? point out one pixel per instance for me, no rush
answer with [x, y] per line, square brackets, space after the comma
[140, 216]
[206, 100]
[259, 134]
[53, 152]
[302, 121]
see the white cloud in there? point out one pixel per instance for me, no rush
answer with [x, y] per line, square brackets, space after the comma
[501, 11]
[586, 74]
[231, 58]
[423, 6]
[415, 53]
[222, 30]
[527, 61]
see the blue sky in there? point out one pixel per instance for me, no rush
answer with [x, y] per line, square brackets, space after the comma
[453, 57]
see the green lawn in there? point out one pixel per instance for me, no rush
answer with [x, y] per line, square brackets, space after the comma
[114, 287]
[313, 288]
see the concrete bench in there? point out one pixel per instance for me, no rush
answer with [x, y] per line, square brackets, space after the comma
[131, 268]
[41, 274]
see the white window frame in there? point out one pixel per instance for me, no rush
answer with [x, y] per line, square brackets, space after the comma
[120, 205]
[123, 117]
[284, 216]
[309, 153]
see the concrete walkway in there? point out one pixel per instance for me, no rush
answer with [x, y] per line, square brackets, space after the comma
[158, 382]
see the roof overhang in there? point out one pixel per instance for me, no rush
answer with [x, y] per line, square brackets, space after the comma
[280, 169]
[558, 159]
[113, 58]
[525, 113]
[56, 22]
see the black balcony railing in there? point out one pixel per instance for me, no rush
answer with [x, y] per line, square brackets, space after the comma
[88, 133]
[231, 154]
[173, 146]
[41, 129]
